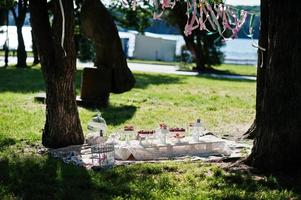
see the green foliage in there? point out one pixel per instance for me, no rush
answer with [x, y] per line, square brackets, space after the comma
[3, 20]
[86, 50]
[212, 49]
[252, 9]
[7, 4]
[84, 47]
[208, 43]
[137, 19]
[140, 18]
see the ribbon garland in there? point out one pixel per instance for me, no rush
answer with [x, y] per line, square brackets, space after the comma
[221, 17]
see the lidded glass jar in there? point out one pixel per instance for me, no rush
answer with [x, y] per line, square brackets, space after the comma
[97, 125]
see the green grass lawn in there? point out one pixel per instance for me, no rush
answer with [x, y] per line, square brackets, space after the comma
[155, 62]
[225, 106]
[246, 70]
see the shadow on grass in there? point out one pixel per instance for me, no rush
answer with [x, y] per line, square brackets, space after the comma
[209, 77]
[21, 80]
[6, 142]
[30, 80]
[144, 80]
[216, 70]
[34, 177]
[229, 72]
[116, 115]
[251, 186]
[31, 176]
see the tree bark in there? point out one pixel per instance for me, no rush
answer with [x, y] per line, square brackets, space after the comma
[19, 20]
[98, 25]
[196, 50]
[34, 51]
[6, 46]
[251, 132]
[62, 127]
[278, 110]
[21, 51]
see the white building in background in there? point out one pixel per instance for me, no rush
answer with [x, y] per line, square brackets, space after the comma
[13, 37]
[151, 46]
[148, 47]
[178, 38]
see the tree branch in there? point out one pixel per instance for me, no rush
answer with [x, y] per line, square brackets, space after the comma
[14, 14]
[22, 12]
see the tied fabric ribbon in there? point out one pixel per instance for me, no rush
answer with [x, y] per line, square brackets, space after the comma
[190, 26]
[201, 13]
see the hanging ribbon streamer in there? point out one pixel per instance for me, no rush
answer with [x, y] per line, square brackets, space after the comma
[220, 17]
[164, 4]
[134, 5]
[63, 27]
[194, 23]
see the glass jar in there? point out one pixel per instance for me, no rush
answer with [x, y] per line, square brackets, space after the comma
[197, 131]
[98, 125]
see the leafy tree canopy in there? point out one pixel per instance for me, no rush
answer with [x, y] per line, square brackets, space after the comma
[7, 4]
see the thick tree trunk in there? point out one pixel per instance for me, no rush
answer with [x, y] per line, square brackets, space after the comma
[278, 111]
[62, 127]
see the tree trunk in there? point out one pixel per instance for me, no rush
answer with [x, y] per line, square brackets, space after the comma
[62, 127]
[34, 51]
[200, 53]
[278, 111]
[6, 47]
[98, 25]
[251, 132]
[19, 20]
[21, 51]
[179, 15]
